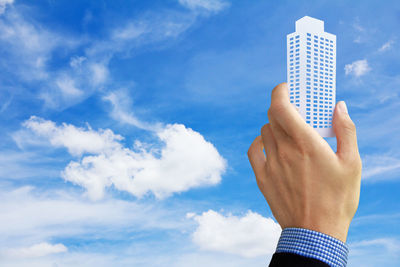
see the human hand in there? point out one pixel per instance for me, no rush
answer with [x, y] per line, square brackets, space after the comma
[306, 184]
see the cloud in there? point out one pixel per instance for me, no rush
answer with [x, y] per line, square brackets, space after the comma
[5, 104]
[64, 213]
[3, 4]
[374, 252]
[67, 87]
[251, 235]
[380, 167]
[27, 47]
[99, 73]
[360, 33]
[390, 244]
[121, 105]
[153, 29]
[357, 68]
[26, 165]
[76, 61]
[131, 31]
[77, 140]
[386, 46]
[30, 49]
[102, 233]
[357, 26]
[208, 5]
[125, 228]
[185, 160]
[36, 250]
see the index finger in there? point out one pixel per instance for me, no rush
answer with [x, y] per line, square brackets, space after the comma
[286, 115]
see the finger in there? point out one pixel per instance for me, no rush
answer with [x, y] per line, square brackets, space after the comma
[257, 159]
[345, 131]
[277, 131]
[286, 115]
[269, 142]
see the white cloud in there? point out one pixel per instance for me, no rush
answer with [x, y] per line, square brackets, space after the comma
[380, 167]
[251, 235]
[357, 26]
[99, 73]
[360, 32]
[390, 244]
[77, 140]
[22, 165]
[5, 103]
[67, 87]
[29, 47]
[148, 28]
[364, 252]
[209, 5]
[357, 68]
[3, 4]
[386, 46]
[56, 213]
[126, 228]
[62, 213]
[36, 250]
[76, 61]
[121, 103]
[121, 106]
[31, 216]
[186, 160]
[131, 31]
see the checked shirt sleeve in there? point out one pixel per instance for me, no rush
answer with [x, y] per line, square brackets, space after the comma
[313, 244]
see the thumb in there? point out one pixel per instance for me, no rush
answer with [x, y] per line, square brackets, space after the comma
[345, 131]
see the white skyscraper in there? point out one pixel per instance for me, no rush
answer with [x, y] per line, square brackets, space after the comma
[311, 73]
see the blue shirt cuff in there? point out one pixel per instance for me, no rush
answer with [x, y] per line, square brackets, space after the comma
[313, 244]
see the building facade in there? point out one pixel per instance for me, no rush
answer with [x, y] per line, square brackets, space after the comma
[311, 73]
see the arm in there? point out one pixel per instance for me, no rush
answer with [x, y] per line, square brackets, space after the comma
[305, 183]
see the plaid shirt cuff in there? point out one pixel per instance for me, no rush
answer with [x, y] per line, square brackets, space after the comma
[313, 244]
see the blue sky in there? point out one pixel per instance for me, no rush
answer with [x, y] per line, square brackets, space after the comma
[125, 127]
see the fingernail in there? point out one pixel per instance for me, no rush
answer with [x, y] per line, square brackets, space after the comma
[342, 107]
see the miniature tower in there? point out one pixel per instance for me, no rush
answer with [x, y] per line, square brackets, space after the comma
[311, 73]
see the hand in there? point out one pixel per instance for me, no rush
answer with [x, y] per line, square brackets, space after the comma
[305, 183]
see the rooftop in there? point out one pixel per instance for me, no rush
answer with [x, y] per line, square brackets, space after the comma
[309, 24]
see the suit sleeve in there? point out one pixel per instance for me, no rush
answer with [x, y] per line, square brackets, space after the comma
[299, 247]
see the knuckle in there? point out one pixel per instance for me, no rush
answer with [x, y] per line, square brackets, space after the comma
[354, 165]
[283, 154]
[349, 127]
[250, 151]
[264, 129]
[269, 114]
[305, 147]
[260, 181]
[276, 108]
